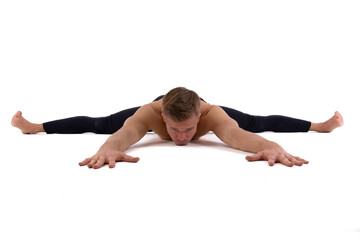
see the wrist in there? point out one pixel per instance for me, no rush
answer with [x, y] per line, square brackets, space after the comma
[112, 144]
[267, 145]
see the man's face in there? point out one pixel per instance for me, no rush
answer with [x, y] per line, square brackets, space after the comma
[181, 132]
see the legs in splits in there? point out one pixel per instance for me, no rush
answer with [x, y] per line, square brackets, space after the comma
[278, 123]
[112, 123]
[75, 125]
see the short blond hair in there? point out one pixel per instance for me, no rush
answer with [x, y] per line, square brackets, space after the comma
[181, 104]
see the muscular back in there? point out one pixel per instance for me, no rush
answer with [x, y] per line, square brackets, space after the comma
[150, 114]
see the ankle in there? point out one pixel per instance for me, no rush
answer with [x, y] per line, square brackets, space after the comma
[319, 127]
[34, 129]
[38, 128]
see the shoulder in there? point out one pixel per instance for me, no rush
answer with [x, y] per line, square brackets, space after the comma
[216, 117]
[156, 106]
[147, 111]
[146, 115]
[206, 108]
[216, 112]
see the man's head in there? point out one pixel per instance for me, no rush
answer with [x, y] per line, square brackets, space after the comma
[181, 114]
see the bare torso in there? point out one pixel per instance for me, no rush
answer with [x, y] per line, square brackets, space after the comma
[157, 124]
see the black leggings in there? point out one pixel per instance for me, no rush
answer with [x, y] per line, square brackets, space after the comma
[112, 123]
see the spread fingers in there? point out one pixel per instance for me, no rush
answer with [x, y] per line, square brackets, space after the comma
[85, 162]
[284, 160]
[92, 162]
[99, 163]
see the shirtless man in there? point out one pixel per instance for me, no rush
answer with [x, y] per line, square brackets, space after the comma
[181, 116]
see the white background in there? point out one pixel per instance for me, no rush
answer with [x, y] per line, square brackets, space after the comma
[67, 58]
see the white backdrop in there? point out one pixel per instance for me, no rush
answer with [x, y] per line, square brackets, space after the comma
[66, 58]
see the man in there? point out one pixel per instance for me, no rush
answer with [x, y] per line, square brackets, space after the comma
[181, 116]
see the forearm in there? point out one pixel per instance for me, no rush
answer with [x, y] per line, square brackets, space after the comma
[124, 138]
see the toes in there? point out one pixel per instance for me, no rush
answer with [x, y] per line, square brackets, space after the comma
[339, 118]
[337, 114]
[18, 114]
[16, 117]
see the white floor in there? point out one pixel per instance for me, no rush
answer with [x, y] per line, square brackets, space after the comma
[205, 190]
[69, 58]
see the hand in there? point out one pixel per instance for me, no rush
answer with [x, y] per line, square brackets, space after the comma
[274, 153]
[108, 155]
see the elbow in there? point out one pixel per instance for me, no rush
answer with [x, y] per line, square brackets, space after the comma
[228, 136]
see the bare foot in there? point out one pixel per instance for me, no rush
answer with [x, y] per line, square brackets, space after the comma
[24, 125]
[328, 126]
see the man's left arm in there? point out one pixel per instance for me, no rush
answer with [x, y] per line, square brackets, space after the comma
[228, 131]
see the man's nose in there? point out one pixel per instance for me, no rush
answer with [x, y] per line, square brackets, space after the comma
[182, 136]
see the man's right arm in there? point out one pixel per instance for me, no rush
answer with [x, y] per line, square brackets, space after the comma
[112, 150]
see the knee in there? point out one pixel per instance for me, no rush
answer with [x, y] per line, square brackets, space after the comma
[101, 125]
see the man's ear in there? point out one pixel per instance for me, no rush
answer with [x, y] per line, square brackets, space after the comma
[163, 117]
[199, 117]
